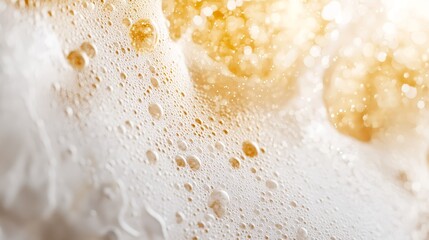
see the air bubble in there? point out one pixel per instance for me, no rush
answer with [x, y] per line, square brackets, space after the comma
[219, 146]
[152, 156]
[144, 35]
[179, 217]
[155, 111]
[194, 162]
[180, 161]
[271, 184]
[182, 145]
[77, 59]
[250, 149]
[218, 202]
[89, 49]
[235, 163]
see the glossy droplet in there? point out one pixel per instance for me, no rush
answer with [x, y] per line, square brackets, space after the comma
[144, 35]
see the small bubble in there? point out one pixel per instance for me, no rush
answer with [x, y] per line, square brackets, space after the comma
[144, 35]
[188, 187]
[182, 145]
[179, 217]
[155, 111]
[154, 82]
[250, 149]
[200, 225]
[219, 146]
[77, 59]
[218, 201]
[302, 234]
[235, 163]
[89, 49]
[193, 162]
[421, 104]
[180, 161]
[126, 22]
[271, 184]
[152, 156]
[109, 7]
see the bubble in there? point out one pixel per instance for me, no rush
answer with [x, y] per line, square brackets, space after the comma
[179, 217]
[194, 162]
[154, 82]
[235, 163]
[180, 161]
[152, 156]
[126, 22]
[109, 7]
[218, 202]
[250, 149]
[219, 146]
[155, 111]
[182, 145]
[302, 234]
[144, 35]
[77, 59]
[271, 184]
[89, 49]
[188, 187]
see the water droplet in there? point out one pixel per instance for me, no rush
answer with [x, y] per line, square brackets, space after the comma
[144, 35]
